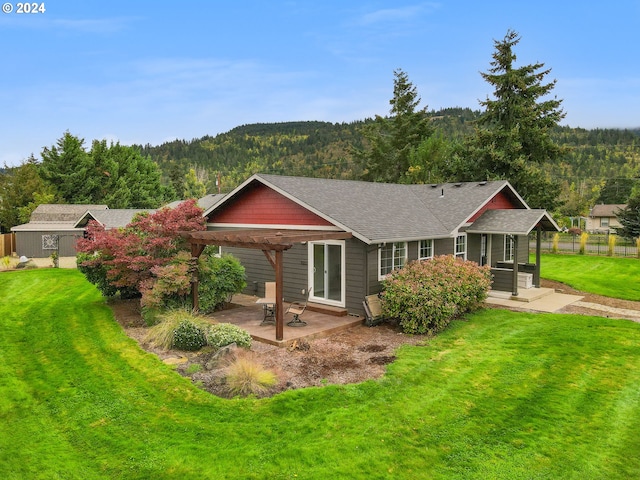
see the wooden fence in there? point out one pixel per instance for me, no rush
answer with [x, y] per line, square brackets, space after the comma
[7, 244]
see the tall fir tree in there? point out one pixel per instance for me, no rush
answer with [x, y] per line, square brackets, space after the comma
[512, 139]
[390, 141]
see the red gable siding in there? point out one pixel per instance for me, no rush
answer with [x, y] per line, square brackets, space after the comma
[261, 205]
[499, 202]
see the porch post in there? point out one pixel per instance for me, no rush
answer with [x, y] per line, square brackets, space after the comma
[279, 295]
[536, 275]
[514, 290]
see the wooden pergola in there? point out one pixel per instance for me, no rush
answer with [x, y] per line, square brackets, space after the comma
[272, 242]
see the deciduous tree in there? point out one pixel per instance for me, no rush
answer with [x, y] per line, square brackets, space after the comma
[129, 255]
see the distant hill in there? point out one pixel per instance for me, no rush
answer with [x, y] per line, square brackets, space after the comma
[322, 149]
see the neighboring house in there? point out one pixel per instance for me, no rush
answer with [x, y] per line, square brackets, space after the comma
[604, 219]
[52, 228]
[339, 239]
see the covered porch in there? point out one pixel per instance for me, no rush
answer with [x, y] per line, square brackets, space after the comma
[514, 276]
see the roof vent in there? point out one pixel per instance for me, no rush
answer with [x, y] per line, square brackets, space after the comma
[442, 193]
[458, 185]
[434, 185]
[482, 183]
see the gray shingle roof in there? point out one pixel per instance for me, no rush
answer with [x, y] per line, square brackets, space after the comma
[55, 212]
[514, 222]
[113, 218]
[606, 210]
[378, 212]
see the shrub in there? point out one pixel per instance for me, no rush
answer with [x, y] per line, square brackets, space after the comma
[425, 296]
[583, 243]
[163, 334]
[220, 278]
[611, 245]
[189, 336]
[222, 334]
[556, 240]
[246, 376]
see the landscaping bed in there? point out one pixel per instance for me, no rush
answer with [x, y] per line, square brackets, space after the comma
[351, 356]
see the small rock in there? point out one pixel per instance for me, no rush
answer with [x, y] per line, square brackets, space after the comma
[223, 353]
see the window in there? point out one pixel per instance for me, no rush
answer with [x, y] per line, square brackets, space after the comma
[508, 248]
[604, 221]
[461, 246]
[392, 256]
[425, 249]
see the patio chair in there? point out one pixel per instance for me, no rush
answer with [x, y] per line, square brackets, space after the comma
[269, 303]
[298, 308]
[373, 310]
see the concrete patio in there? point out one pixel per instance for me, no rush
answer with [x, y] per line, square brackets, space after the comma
[247, 314]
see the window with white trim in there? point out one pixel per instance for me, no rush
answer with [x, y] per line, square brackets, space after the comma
[391, 256]
[604, 221]
[461, 246]
[425, 249]
[508, 248]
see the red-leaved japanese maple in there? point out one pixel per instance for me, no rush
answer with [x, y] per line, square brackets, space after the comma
[130, 254]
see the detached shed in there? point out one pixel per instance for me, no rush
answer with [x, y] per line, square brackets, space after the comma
[51, 228]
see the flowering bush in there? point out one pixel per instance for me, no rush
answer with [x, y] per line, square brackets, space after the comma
[222, 334]
[425, 296]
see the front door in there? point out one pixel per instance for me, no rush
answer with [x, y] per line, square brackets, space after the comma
[326, 272]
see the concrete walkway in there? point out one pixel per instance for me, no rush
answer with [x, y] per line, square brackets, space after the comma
[536, 299]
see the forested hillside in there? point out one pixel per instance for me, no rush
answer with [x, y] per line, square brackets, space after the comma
[601, 165]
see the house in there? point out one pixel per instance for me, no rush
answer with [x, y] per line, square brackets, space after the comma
[604, 218]
[52, 228]
[336, 240]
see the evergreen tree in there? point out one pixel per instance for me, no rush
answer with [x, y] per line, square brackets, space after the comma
[115, 175]
[20, 188]
[68, 168]
[629, 217]
[512, 139]
[390, 141]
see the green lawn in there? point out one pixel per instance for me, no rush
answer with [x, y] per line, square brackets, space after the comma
[609, 276]
[501, 395]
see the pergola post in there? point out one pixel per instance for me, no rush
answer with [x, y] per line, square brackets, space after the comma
[536, 275]
[279, 267]
[514, 289]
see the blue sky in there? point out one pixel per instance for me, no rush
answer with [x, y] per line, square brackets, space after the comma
[152, 71]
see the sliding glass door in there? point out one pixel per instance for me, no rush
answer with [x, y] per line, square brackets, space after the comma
[326, 271]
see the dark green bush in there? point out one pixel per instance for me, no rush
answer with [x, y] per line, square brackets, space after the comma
[189, 336]
[220, 278]
[425, 296]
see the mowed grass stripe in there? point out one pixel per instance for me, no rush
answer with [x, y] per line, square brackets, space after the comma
[498, 395]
